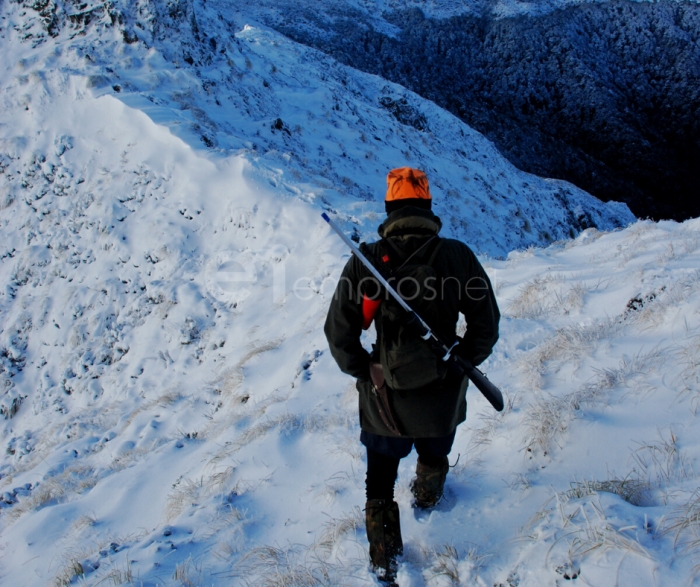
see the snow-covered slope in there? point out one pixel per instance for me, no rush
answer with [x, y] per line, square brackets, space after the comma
[321, 130]
[603, 94]
[173, 416]
[180, 421]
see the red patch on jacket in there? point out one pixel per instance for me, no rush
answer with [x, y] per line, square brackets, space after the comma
[369, 309]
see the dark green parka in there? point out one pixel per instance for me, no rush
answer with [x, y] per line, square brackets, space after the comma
[464, 287]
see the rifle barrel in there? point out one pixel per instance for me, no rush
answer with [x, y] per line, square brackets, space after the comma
[366, 262]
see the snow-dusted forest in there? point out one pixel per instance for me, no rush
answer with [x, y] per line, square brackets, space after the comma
[605, 95]
[171, 414]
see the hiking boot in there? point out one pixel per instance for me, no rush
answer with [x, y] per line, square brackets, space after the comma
[428, 485]
[384, 535]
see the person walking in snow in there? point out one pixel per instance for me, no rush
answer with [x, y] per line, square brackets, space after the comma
[408, 397]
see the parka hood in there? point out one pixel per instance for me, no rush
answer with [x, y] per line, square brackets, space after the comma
[410, 220]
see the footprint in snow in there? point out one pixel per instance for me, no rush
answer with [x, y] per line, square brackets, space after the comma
[308, 363]
[569, 571]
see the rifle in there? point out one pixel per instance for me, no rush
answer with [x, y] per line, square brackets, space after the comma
[441, 350]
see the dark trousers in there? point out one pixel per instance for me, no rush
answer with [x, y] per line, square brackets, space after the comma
[385, 452]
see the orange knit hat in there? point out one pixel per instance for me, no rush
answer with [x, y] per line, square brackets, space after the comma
[406, 183]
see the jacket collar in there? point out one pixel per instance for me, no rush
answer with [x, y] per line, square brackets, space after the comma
[410, 220]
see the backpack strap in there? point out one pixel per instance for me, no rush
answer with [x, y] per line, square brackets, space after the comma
[435, 252]
[417, 251]
[383, 260]
[383, 243]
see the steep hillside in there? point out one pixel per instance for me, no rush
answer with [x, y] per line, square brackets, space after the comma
[605, 95]
[171, 413]
[327, 132]
[173, 416]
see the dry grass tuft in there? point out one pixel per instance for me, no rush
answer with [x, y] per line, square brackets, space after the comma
[600, 538]
[185, 492]
[72, 480]
[336, 528]
[548, 417]
[78, 570]
[231, 525]
[633, 491]
[663, 460]
[71, 570]
[688, 379]
[491, 422]
[183, 573]
[270, 566]
[568, 343]
[84, 521]
[545, 296]
[117, 576]
[449, 566]
[166, 399]
[518, 482]
[231, 379]
[653, 314]
[579, 529]
[593, 533]
[684, 524]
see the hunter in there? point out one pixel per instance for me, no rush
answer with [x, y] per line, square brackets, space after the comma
[407, 396]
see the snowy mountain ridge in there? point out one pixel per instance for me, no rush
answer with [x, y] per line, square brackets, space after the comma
[603, 95]
[291, 108]
[172, 415]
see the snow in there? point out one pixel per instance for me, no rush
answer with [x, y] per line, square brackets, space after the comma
[173, 416]
[335, 140]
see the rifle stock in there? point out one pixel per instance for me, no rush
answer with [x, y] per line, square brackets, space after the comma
[488, 389]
